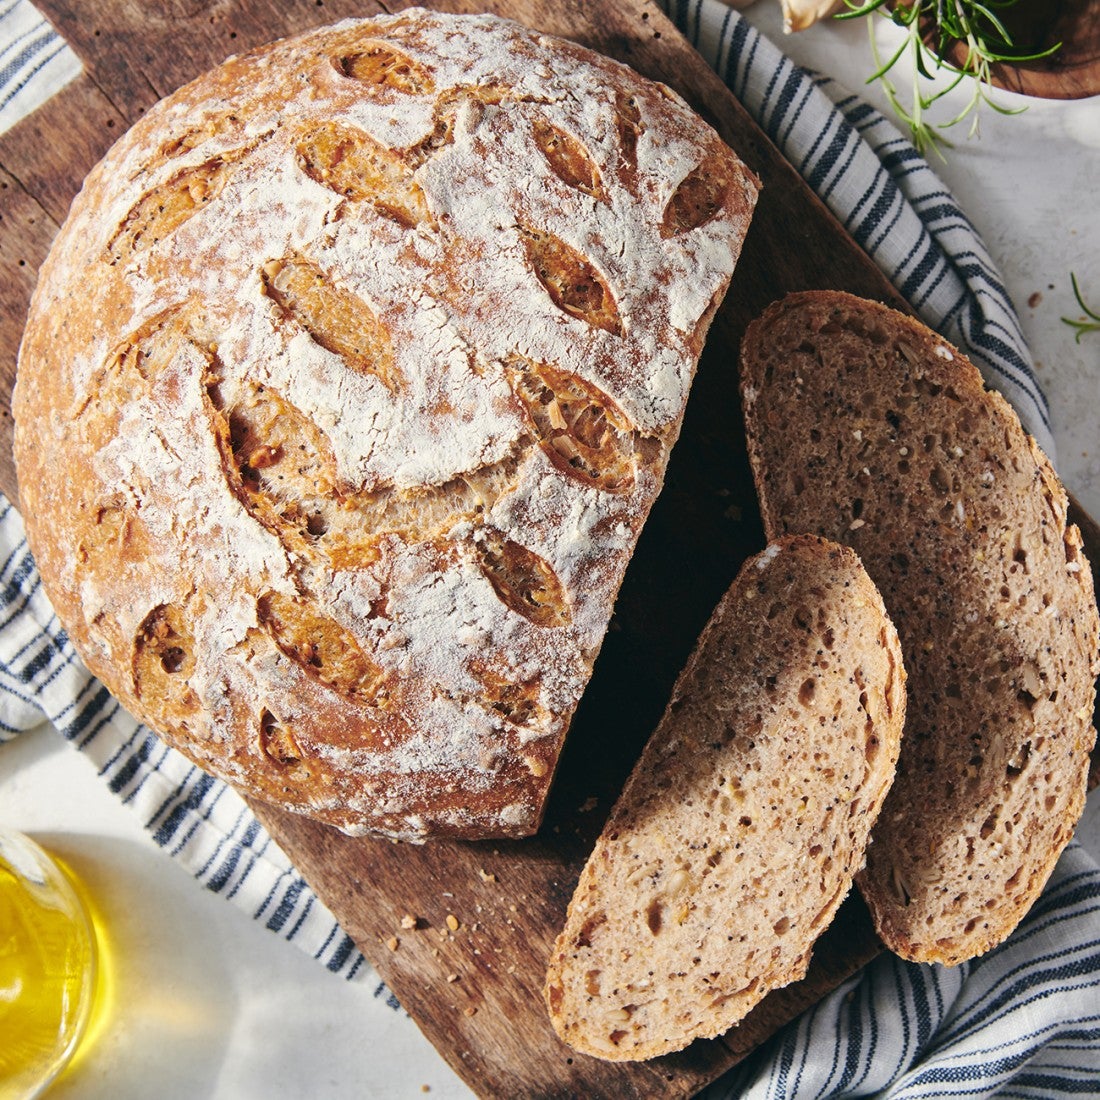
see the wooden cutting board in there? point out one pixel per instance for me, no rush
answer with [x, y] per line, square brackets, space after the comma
[470, 971]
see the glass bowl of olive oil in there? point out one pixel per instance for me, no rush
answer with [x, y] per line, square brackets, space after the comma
[48, 966]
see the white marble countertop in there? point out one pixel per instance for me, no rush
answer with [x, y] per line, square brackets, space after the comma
[212, 1004]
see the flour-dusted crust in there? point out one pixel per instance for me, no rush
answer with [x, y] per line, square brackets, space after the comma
[866, 427]
[346, 389]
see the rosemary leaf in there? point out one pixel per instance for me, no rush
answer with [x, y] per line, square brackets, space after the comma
[1081, 327]
[931, 29]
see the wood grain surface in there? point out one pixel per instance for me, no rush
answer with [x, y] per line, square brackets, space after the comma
[473, 983]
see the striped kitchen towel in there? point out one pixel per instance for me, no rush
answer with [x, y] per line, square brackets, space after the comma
[1022, 1022]
[884, 193]
[34, 62]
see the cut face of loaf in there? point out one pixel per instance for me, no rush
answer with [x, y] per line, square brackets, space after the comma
[738, 833]
[865, 427]
[345, 392]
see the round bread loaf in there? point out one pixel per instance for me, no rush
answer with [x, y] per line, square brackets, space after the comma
[345, 391]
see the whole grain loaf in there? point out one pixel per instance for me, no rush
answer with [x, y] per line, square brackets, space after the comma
[866, 427]
[346, 389]
[737, 834]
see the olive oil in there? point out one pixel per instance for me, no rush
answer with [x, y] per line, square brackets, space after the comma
[47, 967]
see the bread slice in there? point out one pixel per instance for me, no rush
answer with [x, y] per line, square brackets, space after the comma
[346, 389]
[866, 427]
[738, 833]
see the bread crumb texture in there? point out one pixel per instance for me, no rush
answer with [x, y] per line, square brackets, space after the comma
[864, 426]
[346, 389]
[739, 831]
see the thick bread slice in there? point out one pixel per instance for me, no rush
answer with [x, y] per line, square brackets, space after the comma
[738, 833]
[346, 389]
[866, 427]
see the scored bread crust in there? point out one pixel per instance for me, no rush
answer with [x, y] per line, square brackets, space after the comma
[346, 389]
[737, 834]
[866, 427]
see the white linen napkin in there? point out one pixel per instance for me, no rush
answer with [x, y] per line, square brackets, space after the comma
[1025, 1020]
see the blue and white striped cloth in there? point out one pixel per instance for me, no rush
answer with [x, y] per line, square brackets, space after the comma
[884, 193]
[1022, 1022]
[34, 62]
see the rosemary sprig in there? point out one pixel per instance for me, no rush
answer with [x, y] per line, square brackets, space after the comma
[931, 28]
[1082, 327]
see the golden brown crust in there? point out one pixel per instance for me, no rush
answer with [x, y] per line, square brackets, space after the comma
[866, 427]
[346, 389]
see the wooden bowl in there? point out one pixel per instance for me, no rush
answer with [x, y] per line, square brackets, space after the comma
[1072, 71]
